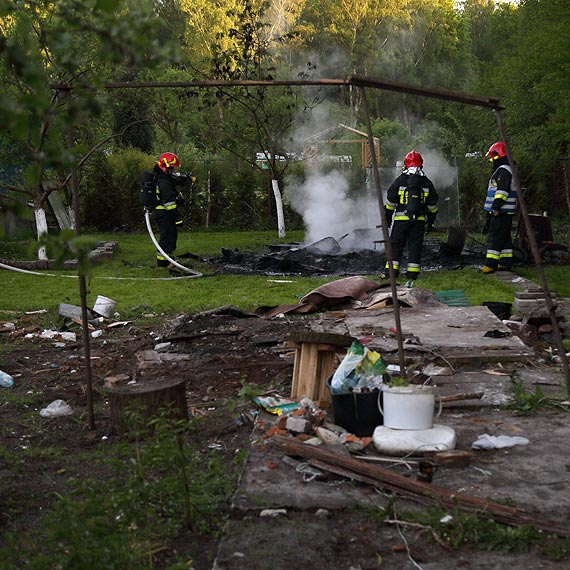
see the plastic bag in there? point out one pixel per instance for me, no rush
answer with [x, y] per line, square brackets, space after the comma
[341, 380]
[55, 409]
[361, 367]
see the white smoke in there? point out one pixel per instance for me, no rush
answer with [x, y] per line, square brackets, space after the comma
[328, 211]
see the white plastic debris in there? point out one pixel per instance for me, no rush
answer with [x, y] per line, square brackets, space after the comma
[97, 333]
[487, 441]
[272, 512]
[56, 409]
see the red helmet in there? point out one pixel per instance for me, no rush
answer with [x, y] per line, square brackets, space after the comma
[167, 160]
[497, 150]
[413, 159]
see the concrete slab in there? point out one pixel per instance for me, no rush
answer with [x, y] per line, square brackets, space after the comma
[452, 332]
[496, 387]
[269, 482]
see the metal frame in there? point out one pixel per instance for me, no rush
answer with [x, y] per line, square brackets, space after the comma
[362, 83]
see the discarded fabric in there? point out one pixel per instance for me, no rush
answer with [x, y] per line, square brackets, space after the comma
[487, 441]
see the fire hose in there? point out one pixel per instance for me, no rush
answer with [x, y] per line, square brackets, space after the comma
[175, 263]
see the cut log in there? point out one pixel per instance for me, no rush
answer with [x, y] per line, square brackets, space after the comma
[134, 405]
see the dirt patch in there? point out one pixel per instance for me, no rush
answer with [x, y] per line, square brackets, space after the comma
[226, 350]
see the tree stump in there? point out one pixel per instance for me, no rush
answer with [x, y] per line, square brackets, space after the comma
[134, 405]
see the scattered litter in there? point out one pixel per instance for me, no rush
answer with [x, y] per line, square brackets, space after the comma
[434, 370]
[496, 373]
[65, 335]
[309, 473]
[487, 441]
[6, 381]
[446, 519]
[272, 512]
[39, 312]
[97, 333]
[483, 471]
[322, 513]
[279, 281]
[9, 327]
[118, 323]
[497, 334]
[162, 346]
[275, 404]
[56, 409]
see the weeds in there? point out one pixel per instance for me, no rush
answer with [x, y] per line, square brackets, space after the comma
[525, 403]
[458, 529]
[156, 488]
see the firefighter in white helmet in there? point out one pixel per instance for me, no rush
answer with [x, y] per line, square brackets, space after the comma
[411, 208]
[501, 207]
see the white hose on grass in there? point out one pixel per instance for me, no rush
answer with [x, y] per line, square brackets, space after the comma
[153, 238]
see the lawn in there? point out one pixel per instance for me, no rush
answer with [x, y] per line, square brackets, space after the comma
[139, 287]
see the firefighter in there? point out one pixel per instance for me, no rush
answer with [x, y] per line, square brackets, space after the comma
[501, 207]
[411, 205]
[167, 212]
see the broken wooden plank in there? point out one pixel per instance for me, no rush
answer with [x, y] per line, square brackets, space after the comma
[426, 493]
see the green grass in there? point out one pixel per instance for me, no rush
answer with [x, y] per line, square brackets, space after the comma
[132, 279]
[557, 277]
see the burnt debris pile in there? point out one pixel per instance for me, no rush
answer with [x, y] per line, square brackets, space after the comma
[326, 257]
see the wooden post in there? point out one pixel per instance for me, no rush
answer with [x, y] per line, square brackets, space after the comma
[315, 364]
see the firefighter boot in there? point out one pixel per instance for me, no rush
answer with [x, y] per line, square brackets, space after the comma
[487, 269]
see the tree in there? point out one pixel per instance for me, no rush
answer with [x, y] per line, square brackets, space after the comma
[254, 120]
[65, 42]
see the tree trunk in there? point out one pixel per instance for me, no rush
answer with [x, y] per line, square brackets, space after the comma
[279, 207]
[132, 406]
[42, 228]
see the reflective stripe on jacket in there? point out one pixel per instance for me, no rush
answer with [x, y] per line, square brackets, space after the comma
[507, 196]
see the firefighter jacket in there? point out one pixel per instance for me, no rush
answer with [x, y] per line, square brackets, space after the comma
[411, 196]
[501, 195]
[167, 193]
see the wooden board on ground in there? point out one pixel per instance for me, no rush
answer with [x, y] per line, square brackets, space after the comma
[496, 389]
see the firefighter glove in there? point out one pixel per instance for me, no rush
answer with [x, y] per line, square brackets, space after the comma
[389, 216]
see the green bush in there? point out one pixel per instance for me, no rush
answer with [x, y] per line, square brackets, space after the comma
[111, 201]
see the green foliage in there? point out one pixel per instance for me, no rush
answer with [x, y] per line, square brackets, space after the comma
[112, 197]
[154, 487]
[526, 403]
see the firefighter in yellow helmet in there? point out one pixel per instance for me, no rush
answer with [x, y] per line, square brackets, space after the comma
[411, 203]
[501, 207]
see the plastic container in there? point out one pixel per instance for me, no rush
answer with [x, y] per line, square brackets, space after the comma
[6, 381]
[104, 306]
[357, 412]
[409, 407]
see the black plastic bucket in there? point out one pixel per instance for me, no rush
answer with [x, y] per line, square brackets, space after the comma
[357, 412]
[500, 310]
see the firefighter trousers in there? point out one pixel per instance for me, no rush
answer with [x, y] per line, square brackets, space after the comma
[410, 233]
[500, 241]
[168, 234]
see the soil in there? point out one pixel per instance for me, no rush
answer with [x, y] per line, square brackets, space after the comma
[225, 349]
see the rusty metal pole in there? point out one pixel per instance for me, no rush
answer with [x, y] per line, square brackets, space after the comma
[82, 282]
[385, 234]
[536, 255]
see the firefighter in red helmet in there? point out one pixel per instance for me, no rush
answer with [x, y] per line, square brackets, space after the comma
[501, 206]
[167, 212]
[411, 208]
